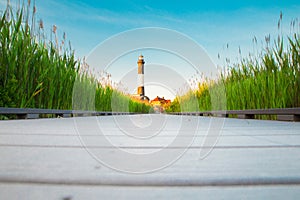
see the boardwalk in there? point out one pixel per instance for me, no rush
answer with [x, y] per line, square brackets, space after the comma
[106, 157]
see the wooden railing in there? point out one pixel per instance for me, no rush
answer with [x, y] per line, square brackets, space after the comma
[33, 113]
[283, 114]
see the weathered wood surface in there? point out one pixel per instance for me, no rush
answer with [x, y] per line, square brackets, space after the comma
[46, 159]
[283, 114]
[34, 113]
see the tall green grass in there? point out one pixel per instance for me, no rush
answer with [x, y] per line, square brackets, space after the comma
[269, 80]
[40, 73]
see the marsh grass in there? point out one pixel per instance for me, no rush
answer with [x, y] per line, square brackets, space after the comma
[40, 73]
[269, 80]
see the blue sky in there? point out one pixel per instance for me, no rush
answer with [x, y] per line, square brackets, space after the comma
[212, 24]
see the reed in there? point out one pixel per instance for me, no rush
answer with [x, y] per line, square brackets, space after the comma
[271, 79]
[40, 73]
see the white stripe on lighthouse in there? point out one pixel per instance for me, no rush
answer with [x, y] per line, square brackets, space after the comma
[140, 80]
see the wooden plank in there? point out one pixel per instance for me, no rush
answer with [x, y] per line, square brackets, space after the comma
[246, 116]
[288, 117]
[259, 159]
[72, 192]
[224, 167]
[275, 111]
[279, 111]
[283, 114]
[34, 113]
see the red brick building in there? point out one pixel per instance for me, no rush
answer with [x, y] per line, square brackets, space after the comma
[159, 104]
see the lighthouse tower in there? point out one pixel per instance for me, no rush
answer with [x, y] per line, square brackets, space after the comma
[141, 89]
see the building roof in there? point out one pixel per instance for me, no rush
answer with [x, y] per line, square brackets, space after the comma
[161, 100]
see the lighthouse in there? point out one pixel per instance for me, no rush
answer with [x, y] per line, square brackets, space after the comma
[140, 81]
[141, 89]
